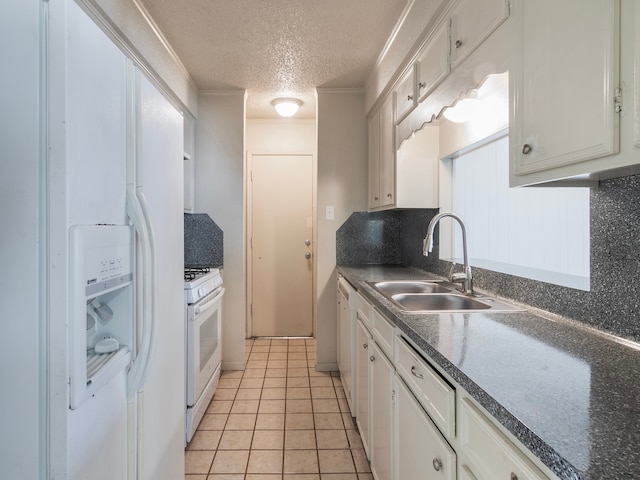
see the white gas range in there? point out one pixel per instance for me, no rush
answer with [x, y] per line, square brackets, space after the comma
[203, 292]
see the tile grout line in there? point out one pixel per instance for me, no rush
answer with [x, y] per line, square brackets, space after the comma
[309, 351]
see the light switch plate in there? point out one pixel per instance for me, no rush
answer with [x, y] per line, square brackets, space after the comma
[329, 212]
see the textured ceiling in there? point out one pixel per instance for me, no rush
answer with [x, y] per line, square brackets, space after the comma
[275, 48]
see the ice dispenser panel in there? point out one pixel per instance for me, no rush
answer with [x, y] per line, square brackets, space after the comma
[101, 307]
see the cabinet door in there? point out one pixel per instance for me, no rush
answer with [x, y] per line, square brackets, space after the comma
[387, 154]
[405, 94]
[422, 452]
[433, 62]
[472, 22]
[374, 161]
[564, 87]
[486, 453]
[381, 413]
[362, 385]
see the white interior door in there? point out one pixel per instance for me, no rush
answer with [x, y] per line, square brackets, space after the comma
[281, 253]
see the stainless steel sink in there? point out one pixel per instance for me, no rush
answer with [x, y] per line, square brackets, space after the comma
[393, 287]
[429, 296]
[419, 302]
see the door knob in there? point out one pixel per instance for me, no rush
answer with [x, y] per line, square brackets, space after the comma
[307, 255]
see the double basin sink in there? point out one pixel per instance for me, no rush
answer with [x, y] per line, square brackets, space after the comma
[434, 296]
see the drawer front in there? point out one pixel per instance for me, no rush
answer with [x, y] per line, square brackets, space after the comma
[363, 310]
[487, 452]
[382, 331]
[436, 396]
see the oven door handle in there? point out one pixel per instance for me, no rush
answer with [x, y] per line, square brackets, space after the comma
[209, 304]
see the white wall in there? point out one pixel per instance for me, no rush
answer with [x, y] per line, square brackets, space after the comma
[342, 183]
[285, 136]
[22, 400]
[219, 191]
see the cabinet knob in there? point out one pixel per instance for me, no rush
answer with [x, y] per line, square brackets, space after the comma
[307, 255]
[409, 97]
[526, 149]
[372, 358]
[421, 85]
[415, 373]
[365, 346]
[389, 195]
[458, 43]
[437, 464]
[375, 198]
[513, 476]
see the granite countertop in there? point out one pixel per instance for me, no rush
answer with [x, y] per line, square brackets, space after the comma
[569, 393]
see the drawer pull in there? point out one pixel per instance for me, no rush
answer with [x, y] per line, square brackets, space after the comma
[437, 464]
[415, 373]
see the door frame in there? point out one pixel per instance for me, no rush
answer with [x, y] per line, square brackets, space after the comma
[249, 154]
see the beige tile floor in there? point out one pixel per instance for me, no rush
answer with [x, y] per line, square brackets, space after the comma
[277, 420]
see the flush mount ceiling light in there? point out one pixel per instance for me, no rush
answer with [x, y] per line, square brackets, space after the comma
[286, 107]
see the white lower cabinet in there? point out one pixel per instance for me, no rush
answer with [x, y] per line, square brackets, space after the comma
[465, 474]
[416, 423]
[363, 340]
[381, 415]
[421, 451]
[486, 453]
[436, 395]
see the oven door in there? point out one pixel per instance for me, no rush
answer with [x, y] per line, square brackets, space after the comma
[204, 327]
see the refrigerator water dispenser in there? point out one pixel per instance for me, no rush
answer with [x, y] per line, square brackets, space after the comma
[101, 307]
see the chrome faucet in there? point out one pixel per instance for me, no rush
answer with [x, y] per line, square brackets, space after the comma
[464, 278]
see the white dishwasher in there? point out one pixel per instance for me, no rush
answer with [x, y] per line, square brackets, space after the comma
[347, 308]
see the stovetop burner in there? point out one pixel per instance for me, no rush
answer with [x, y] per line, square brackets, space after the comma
[191, 273]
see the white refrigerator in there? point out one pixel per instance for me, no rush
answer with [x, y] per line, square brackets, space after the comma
[114, 161]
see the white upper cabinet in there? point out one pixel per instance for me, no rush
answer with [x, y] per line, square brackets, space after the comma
[382, 157]
[374, 161]
[564, 87]
[472, 22]
[387, 155]
[405, 94]
[432, 63]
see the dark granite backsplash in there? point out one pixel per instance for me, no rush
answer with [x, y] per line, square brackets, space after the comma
[203, 241]
[370, 238]
[612, 305]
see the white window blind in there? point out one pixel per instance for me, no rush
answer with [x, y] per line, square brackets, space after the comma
[536, 232]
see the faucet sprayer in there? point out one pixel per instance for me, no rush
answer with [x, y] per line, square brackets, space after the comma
[464, 278]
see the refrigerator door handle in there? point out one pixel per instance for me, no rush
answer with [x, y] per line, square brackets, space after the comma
[139, 213]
